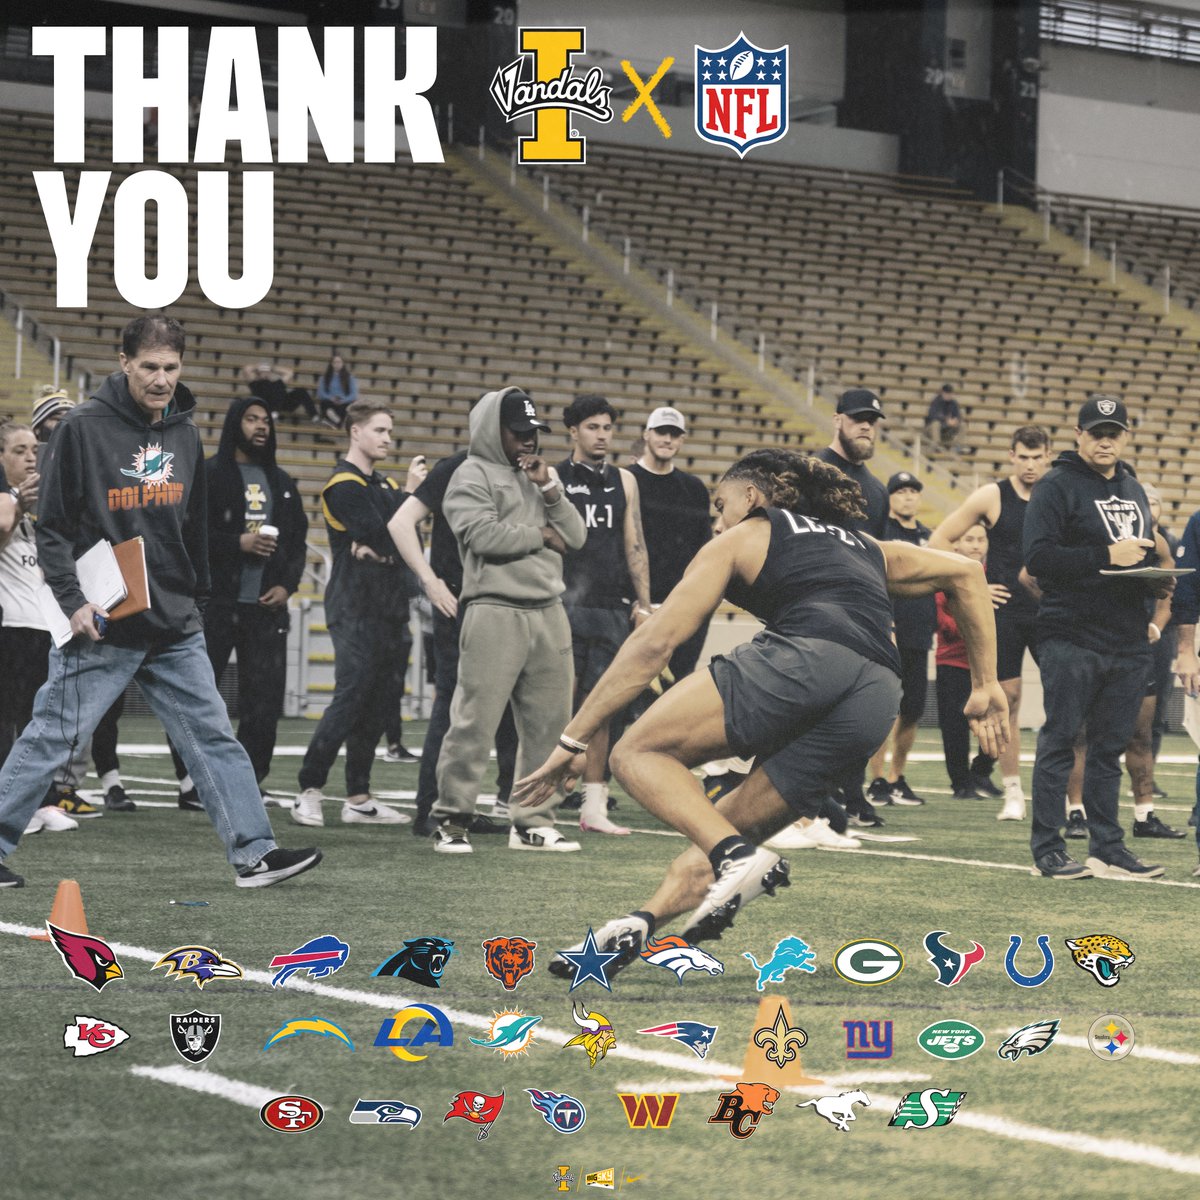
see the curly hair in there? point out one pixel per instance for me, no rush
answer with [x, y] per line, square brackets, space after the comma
[802, 484]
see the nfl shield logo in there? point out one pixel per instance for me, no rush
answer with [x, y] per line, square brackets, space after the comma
[741, 95]
[195, 1034]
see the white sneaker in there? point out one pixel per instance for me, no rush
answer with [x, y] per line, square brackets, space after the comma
[820, 834]
[1014, 808]
[625, 937]
[373, 814]
[36, 824]
[540, 837]
[740, 881]
[500, 811]
[792, 837]
[52, 819]
[451, 839]
[307, 809]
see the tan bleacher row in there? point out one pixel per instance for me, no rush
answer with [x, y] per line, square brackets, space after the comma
[420, 278]
[900, 286]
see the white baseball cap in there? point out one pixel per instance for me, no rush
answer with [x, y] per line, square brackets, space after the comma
[666, 416]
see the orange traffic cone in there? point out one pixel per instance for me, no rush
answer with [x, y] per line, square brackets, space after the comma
[773, 1052]
[67, 910]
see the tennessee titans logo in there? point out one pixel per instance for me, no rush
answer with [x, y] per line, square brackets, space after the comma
[421, 961]
[87, 958]
[680, 956]
[320, 957]
[949, 964]
[564, 1113]
[1010, 962]
[695, 1035]
[197, 963]
[790, 954]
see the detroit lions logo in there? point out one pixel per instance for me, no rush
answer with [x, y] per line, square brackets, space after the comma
[151, 465]
[197, 963]
[1103, 956]
[508, 959]
[949, 964]
[790, 954]
[320, 957]
[678, 955]
[1029, 1039]
[421, 961]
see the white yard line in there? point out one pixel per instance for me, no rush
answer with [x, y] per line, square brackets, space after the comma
[210, 1084]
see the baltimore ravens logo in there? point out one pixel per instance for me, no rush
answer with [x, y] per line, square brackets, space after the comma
[678, 955]
[87, 958]
[197, 963]
[421, 961]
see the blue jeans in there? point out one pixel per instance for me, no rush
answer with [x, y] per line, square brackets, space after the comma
[1104, 691]
[177, 681]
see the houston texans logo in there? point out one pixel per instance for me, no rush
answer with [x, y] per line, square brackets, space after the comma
[421, 961]
[320, 957]
[695, 1035]
[87, 958]
[197, 963]
[678, 955]
[949, 964]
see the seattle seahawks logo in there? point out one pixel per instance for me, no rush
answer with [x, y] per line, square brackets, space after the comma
[1029, 1039]
[385, 1112]
[421, 961]
[680, 956]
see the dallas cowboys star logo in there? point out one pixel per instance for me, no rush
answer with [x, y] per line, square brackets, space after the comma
[588, 962]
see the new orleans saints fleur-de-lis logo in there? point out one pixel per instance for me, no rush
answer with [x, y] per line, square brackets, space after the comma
[781, 1041]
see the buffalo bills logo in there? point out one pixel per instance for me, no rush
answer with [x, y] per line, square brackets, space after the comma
[421, 961]
[197, 963]
[87, 958]
[320, 957]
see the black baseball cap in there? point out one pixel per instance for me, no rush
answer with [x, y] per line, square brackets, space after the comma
[518, 413]
[859, 402]
[904, 479]
[1103, 410]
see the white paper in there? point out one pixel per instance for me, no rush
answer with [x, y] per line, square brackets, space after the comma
[101, 582]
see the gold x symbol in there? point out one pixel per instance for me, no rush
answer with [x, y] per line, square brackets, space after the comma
[644, 90]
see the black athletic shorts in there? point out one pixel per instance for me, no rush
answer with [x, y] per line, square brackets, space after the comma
[1014, 634]
[596, 636]
[914, 682]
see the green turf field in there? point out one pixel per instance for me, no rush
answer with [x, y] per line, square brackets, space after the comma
[136, 1120]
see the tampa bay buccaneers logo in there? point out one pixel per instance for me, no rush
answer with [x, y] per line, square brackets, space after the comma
[87, 958]
[508, 959]
[421, 961]
[197, 963]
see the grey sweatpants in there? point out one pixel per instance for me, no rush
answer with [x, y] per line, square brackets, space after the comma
[522, 655]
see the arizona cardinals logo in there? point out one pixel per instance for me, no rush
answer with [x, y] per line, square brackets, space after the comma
[86, 1036]
[421, 961]
[477, 1108]
[315, 1025]
[197, 963]
[678, 955]
[1029, 1039]
[87, 958]
[949, 964]
[695, 1035]
[320, 957]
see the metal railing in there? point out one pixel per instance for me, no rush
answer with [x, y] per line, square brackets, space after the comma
[28, 327]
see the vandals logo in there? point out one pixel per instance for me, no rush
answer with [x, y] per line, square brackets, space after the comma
[1102, 955]
[695, 1035]
[678, 955]
[790, 954]
[927, 1109]
[509, 959]
[197, 963]
[743, 1108]
[151, 465]
[950, 1039]
[195, 1034]
[319, 958]
[949, 964]
[86, 1036]
[87, 958]
[509, 1033]
[780, 1041]
[552, 95]
[741, 95]
[1029, 1039]
[868, 1039]
[434, 1030]
[559, 1111]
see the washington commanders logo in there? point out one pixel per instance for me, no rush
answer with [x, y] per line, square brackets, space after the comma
[743, 1108]
[508, 959]
[741, 95]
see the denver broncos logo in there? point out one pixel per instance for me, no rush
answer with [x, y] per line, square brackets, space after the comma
[508, 959]
[678, 955]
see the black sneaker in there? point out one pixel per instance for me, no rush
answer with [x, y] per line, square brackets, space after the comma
[903, 795]
[860, 811]
[190, 801]
[966, 792]
[397, 752]
[277, 865]
[835, 814]
[115, 800]
[1076, 824]
[64, 796]
[1058, 864]
[10, 878]
[481, 824]
[880, 791]
[1119, 863]
[1152, 827]
[982, 785]
[425, 826]
[572, 801]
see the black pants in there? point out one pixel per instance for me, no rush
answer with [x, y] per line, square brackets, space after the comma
[393, 728]
[25, 655]
[366, 652]
[1162, 654]
[953, 689]
[259, 636]
[445, 658]
[279, 398]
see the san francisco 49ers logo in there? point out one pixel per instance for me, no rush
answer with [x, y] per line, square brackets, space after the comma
[291, 1114]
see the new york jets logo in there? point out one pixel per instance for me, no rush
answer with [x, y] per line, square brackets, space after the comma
[950, 1039]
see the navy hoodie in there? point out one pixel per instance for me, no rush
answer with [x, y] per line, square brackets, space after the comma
[1074, 515]
[110, 473]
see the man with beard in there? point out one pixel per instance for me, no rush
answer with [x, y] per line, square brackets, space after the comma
[256, 533]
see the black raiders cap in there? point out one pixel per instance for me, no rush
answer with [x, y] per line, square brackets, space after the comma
[1103, 410]
[859, 402]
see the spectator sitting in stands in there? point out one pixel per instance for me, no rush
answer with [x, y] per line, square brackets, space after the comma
[337, 390]
[943, 422]
[269, 384]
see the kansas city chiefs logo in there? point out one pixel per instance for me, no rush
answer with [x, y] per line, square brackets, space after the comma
[86, 1036]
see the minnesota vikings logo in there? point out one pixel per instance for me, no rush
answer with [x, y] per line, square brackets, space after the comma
[597, 1037]
[319, 957]
[781, 1042]
[151, 465]
[695, 1035]
[510, 1033]
[197, 963]
[87, 958]
[678, 955]
[421, 961]
[949, 964]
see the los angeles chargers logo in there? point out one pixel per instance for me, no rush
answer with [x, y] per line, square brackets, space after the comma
[151, 465]
[87, 958]
[421, 961]
[678, 955]
[317, 1025]
[559, 1111]
[949, 964]
[319, 958]
[695, 1035]
[198, 963]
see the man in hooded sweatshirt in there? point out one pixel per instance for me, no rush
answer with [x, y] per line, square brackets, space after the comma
[254, 571]
[513, 525]
[129, 463]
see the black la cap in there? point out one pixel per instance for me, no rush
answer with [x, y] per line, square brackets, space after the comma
[518, 413]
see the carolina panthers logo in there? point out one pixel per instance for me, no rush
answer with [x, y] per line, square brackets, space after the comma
[421, 961]
[508, 959]
[197, 963]
[320, 957]
[151, 465]
[1029, 1039]
[680, 956]
[1103, 956]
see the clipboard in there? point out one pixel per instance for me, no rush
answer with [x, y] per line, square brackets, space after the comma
[131, 559]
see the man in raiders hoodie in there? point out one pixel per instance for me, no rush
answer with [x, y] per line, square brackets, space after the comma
[129, 463]
[1089, 514]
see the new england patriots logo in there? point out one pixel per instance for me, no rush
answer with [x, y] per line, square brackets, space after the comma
[320, 957]
[949, 964]
[563, 1112]
[421, 961]
[680, 956]
[695, 1035]
[197, 963]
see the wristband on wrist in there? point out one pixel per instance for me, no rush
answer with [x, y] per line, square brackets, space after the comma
[549, 487]
[570, 744]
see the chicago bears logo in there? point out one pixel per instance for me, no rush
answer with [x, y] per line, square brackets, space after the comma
[676, 954]
[949, 964]
[421, 961]
[320, 957]
[1102, 955]
[508, 959]
[743, 1108]
[197, 963]
[87, 958]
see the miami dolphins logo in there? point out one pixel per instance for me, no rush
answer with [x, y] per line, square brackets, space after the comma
[509, 1033]
[152, 465]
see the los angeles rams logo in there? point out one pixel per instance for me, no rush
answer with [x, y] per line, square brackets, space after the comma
[434, 1030]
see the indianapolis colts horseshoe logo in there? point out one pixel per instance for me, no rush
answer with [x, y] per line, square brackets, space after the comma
[1010, 962]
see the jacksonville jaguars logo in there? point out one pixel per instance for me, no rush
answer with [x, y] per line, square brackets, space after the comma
[319, 958]
[508, 959]
[1010, 962]
[678, 955]
[421, 961]
[1102, 956]
[198, 963]
[949, 964]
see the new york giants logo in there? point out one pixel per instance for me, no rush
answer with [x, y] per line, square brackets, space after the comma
[868, 1039]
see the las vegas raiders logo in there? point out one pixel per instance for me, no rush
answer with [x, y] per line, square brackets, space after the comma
[195, 1034]
[1122, 518]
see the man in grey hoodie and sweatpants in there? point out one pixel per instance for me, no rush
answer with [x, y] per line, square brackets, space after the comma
[513, 525]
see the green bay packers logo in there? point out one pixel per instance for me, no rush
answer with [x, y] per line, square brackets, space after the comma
[950, 1039]
[868, 962]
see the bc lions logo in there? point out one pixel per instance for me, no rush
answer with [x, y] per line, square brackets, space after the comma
[1103, 956]
[678, 955]
[744, 1107]
[197, 963]
[790, 954]
[508, 959]
[421, 961]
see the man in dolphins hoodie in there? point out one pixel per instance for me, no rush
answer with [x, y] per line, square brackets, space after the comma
[513, 525]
